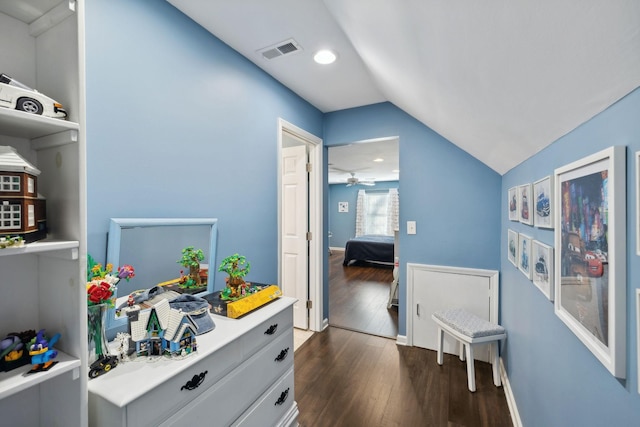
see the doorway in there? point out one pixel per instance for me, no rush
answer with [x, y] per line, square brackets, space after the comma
[359, 292]
[300, 223]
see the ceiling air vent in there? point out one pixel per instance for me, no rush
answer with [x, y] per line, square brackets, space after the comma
[286, 47]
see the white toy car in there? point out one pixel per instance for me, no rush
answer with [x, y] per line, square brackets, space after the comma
[16, 95]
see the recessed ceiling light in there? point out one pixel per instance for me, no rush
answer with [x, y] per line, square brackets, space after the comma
[324, 57]
[378, 160]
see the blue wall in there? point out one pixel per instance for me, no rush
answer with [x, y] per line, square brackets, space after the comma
[181, 125]
[453, 197]
[343, 224]
[556, 380]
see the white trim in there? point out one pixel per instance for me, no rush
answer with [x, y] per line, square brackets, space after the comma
[494, 284]
[401, 340]
[508, 392]
[637, 184]
[315, 219]
[336, 248]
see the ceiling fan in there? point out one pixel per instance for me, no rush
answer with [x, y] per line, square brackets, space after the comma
[353, 180]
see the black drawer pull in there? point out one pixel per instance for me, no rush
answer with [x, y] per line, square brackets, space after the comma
[272, 330]
[283, 397]
[195, 381]
[282, 355]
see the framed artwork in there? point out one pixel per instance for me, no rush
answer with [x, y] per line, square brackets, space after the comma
[524, 254]
[543, 197]
[524, 204]
[343, 206]
[512, 246]
[512, 202]
[542, 274]
[590, 258]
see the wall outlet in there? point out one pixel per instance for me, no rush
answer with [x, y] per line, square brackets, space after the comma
[411, 227]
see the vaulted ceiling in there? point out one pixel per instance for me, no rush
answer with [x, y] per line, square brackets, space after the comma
[501, 79]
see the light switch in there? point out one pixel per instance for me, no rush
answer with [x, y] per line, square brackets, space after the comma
[411, 227]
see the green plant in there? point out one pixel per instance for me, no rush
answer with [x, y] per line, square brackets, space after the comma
[191, 258]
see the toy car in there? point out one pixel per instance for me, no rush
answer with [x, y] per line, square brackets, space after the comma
[104, 364]
[16, 95]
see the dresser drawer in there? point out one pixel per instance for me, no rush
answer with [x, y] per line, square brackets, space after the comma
[157, 405]
[272, 406]
[221, 404]
[267, 332]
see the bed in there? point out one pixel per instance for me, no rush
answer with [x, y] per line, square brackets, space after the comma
[370, 248]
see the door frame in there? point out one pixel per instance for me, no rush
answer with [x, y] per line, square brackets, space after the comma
[315, 259]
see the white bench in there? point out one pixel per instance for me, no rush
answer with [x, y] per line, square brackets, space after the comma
[469, 330]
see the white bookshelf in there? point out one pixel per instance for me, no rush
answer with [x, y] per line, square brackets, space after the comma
[42, 284]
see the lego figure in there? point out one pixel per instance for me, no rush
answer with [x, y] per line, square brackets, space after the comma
[42, 353]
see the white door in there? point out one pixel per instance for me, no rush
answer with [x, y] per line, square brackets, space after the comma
[295, 216]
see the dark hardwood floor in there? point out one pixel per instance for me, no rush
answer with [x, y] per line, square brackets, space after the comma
[358, 297]
[346, 378]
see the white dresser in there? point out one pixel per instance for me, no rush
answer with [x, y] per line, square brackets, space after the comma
[242, 375]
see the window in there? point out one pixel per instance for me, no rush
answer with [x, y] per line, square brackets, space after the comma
[375, 211]
[9, 183]
[10, 217]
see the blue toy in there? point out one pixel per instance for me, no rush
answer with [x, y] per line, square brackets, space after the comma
[42, 353]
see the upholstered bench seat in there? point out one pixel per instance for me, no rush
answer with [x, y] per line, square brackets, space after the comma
[469, 330]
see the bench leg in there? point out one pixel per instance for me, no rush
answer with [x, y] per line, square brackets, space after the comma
[471, 373]
[496, 364]
[462, 350]
[440, 340]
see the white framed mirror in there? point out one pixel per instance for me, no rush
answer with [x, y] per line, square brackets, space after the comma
[153, 247]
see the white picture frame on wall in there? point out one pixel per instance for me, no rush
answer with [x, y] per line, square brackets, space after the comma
[542, 202]
[590, 254]
[512, 247]
[524, 255]
[512, 204]
[542, 271]
[525, 211]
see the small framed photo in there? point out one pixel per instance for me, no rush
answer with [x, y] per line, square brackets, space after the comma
[343, 206]
[512, 246]
[524, 255]
[512, 202]
[524, 204]
[542, 259]
[543, 198]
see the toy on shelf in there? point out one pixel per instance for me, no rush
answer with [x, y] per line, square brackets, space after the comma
[42, 352]
[22, 208]
[18, 96]
[197, 277]
[12, 350]
[11, 242]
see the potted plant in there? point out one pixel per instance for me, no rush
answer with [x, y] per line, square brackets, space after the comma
[191, 258]
[237, 267]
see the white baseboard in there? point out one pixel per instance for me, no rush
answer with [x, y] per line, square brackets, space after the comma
[511, 401]
[336, 249]
[325, 324]
[401, 340]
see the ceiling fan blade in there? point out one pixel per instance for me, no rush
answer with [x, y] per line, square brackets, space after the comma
[367, 183]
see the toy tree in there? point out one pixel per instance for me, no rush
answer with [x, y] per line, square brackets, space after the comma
[236, 266]
[191, 258]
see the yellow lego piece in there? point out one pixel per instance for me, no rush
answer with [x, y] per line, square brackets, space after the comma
[245, 305]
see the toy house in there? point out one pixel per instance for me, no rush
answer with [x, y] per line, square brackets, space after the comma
[22, 209]
[162, 330]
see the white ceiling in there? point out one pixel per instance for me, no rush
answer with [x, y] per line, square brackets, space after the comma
[501, 79]
[375, 160]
